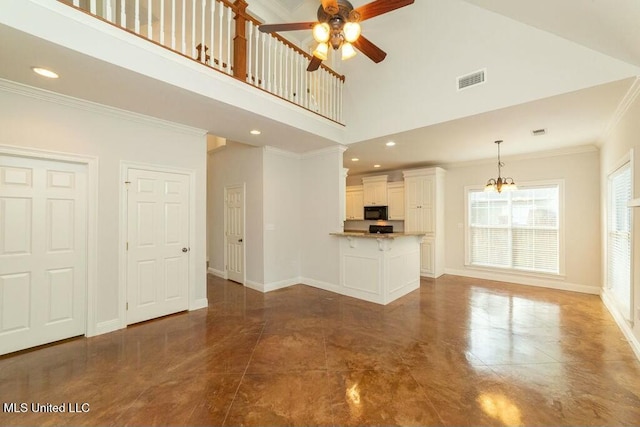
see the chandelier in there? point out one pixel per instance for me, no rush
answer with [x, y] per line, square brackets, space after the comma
[499, 184]
[338, 34]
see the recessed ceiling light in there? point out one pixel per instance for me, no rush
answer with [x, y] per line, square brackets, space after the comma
[355, 159]
[376, 166]
[44, 72]
[390, 144]
[255, 132]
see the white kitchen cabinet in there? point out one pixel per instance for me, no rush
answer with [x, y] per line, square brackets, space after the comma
[424, 212]
[395, 198]
[375, 190]
[355, 203]
[427, 257]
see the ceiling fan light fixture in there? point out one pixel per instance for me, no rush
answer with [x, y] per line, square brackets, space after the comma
[348, 51]
[351, 31]
[321, 32]
[322, 51]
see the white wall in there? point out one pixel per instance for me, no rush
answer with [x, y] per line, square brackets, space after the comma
[321, 214]
[580, 172]
[237, 164]
[624, 136]
[42, 120]
[456, 38]
[282, 230]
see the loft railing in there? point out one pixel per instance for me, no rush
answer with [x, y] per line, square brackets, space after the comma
[222, 35]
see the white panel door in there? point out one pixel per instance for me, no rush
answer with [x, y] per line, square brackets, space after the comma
[157, 244]
[234, 232]
[43, 252]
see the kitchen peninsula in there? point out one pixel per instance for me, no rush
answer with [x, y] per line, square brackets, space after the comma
[377, 267]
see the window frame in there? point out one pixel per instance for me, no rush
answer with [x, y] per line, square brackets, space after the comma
[560, 183]
[626, 160]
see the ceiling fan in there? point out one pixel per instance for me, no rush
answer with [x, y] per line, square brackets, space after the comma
[338, 26]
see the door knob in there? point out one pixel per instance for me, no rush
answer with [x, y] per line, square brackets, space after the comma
[185, 250]
[239, 240]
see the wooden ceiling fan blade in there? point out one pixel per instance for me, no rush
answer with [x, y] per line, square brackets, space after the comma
[371, 50]
[379, 7]
[293, 26]
[330, 6]
[314, 64]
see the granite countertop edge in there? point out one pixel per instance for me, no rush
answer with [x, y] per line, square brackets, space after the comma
[366, 235]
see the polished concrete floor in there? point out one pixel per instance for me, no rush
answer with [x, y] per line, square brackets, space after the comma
[457, 352]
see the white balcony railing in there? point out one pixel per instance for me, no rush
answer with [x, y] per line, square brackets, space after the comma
[221, 35]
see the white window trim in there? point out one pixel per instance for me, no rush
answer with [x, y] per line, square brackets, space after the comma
[623, 161]
[561, 232]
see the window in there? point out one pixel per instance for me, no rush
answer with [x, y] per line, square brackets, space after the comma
[518, 230]
[619, 238]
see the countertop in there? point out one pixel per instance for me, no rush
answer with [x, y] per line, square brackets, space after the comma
[367, 235]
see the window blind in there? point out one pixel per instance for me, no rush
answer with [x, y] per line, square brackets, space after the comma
[619, 237]
[517, 230]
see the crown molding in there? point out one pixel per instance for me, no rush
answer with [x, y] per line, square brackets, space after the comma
[568, 151]
[8, 86]
[280, 152]
[627, 101]
[339, 149]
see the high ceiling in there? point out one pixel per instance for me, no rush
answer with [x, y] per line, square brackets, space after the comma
[572, 118]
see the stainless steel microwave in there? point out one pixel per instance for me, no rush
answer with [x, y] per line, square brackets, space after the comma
[376, 213]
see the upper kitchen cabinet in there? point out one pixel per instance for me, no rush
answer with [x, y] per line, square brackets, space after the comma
[375, 190]
[355, 202]
[395, 198]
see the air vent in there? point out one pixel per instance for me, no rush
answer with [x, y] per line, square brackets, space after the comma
[539, 132]
[472, 79]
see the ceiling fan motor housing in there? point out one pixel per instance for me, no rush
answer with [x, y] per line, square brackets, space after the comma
[345, 12]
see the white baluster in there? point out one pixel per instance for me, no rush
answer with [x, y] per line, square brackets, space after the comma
[286, 71]
[333, 97]
[325, 93]
[257, 56]
[249, 26]
[136, 17]
[229, 41]
[279, 55]
[220, 32]
[213, 30]
[184, 27]
[339, 100]
[173, 24]
[193, 28]
[203, 27]
[269, 74]
[274, 73]
[123, 14]
[109, 11]
[162, 22]
[149, 22]
[296, 69]
[76, 3]
[92, 6]
[305, 82]
[281, 65]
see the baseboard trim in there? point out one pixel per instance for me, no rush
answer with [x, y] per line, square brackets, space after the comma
[254, 285]
[107, 326]
[326, 286]
[523, 280]
[217, 273]
[273, 286]
[622, 323]
[199, 303]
